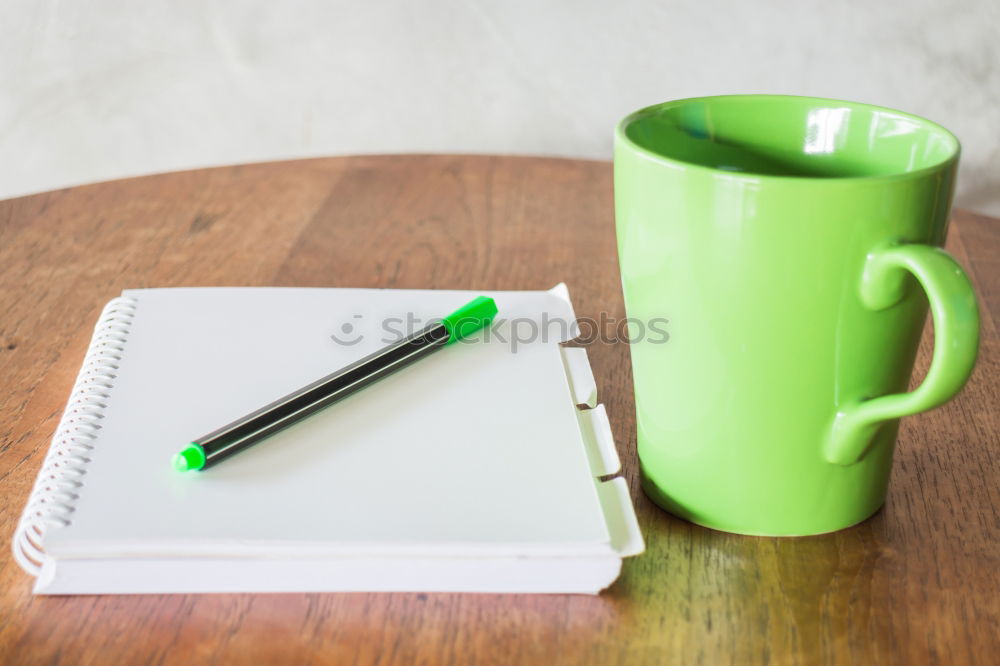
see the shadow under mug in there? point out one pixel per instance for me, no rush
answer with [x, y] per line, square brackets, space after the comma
[793, 244]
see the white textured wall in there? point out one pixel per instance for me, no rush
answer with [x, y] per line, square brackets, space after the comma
[99, 89]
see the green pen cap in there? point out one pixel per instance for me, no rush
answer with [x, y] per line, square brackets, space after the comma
[193, 457]
[469, 318]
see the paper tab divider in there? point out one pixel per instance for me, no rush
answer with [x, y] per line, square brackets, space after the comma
[581, 377]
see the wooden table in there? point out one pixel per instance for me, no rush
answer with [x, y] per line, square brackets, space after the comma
[918, 583]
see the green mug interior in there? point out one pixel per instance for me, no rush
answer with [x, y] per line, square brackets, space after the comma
[786, 136]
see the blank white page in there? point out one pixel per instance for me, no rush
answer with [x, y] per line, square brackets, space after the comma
[475, 449]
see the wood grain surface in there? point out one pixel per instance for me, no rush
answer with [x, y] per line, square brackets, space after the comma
[918, 583]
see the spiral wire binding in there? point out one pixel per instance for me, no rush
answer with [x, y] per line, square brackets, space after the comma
[58, 485]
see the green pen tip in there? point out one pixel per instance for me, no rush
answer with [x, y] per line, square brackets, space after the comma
[193, 457]
[469, 318]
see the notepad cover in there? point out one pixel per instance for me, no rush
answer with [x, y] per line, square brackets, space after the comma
[472, 470]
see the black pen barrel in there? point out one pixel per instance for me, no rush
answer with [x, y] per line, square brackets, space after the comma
[283, 412]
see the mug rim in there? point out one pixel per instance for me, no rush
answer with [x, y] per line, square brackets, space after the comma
[623, 139]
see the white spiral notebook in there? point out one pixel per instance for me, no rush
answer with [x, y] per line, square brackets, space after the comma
[487, 467]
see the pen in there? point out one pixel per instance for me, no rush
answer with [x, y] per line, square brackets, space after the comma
[283, 412]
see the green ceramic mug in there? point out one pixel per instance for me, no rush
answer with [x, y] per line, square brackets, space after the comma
[793, 244]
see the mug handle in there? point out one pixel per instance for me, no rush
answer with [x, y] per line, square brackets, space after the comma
[956, 330]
